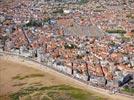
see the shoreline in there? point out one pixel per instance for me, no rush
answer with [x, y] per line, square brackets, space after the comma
[73, 82]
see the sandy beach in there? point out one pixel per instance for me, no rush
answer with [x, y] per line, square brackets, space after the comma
[53, 77]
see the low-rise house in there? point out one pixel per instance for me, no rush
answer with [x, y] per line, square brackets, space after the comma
[1, 49]
[101, 81]
[119, 76]
[132, 62]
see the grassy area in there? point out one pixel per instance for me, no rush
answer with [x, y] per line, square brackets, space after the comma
[130, 16]
[128, 90]
[19, 77]
[116, 31]
[111, 43]
[83, 1]
[19, 84]
[60, 11]
[70, 46]
[36, 23]
[59, 92]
